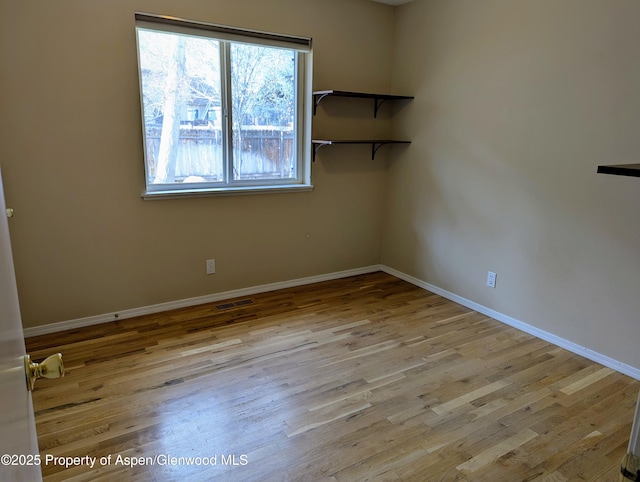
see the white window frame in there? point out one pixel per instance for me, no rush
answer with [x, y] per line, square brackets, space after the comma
[302, 138]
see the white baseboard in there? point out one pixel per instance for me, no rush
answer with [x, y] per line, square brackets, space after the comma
[532, 330]
[171, 305]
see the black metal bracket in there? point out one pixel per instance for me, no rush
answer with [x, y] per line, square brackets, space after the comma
[377, 103]
[315, 150]
[374, 148]
[316, 100]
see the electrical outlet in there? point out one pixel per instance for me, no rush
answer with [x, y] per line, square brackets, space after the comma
[211, 266]
[491, 279]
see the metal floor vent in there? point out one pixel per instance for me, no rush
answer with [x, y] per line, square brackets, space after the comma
[234, 304]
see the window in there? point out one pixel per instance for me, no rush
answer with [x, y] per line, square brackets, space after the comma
[224, 110]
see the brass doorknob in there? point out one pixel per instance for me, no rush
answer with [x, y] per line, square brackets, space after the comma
[51, 367]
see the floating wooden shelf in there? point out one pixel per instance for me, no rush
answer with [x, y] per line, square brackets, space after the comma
[375, 144]
[621, 170]
[378, 99]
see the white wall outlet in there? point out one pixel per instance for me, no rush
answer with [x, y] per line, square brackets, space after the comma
[211, 266]
[491, 279]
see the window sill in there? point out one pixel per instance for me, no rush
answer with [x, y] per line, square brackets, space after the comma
[227, 191]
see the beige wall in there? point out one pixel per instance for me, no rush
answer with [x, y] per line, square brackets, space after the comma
[84, 241]
[517, 102]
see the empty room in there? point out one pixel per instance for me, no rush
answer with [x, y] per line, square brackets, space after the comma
[308, 240]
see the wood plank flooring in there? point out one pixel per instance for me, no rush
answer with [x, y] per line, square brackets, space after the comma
[364, 378]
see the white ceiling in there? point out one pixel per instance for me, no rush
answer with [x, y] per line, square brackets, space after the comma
[393, 2]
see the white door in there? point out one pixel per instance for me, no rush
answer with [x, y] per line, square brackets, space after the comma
[19, 459]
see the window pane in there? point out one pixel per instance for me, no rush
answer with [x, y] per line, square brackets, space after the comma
[181, 97]
[263, 91]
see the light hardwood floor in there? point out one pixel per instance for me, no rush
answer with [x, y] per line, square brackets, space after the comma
[364, 378]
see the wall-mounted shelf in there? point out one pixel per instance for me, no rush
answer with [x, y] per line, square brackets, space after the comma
[375, 144]
[621, 170]
[378, 99]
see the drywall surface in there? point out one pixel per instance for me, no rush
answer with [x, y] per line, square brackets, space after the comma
[516, 105]
[71, 150]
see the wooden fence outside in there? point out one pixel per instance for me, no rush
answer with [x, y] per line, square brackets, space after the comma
[263, 153]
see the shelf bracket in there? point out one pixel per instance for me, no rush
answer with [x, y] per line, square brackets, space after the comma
[315, 150]
[374, 148]
[377, 103]
[317, 98]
